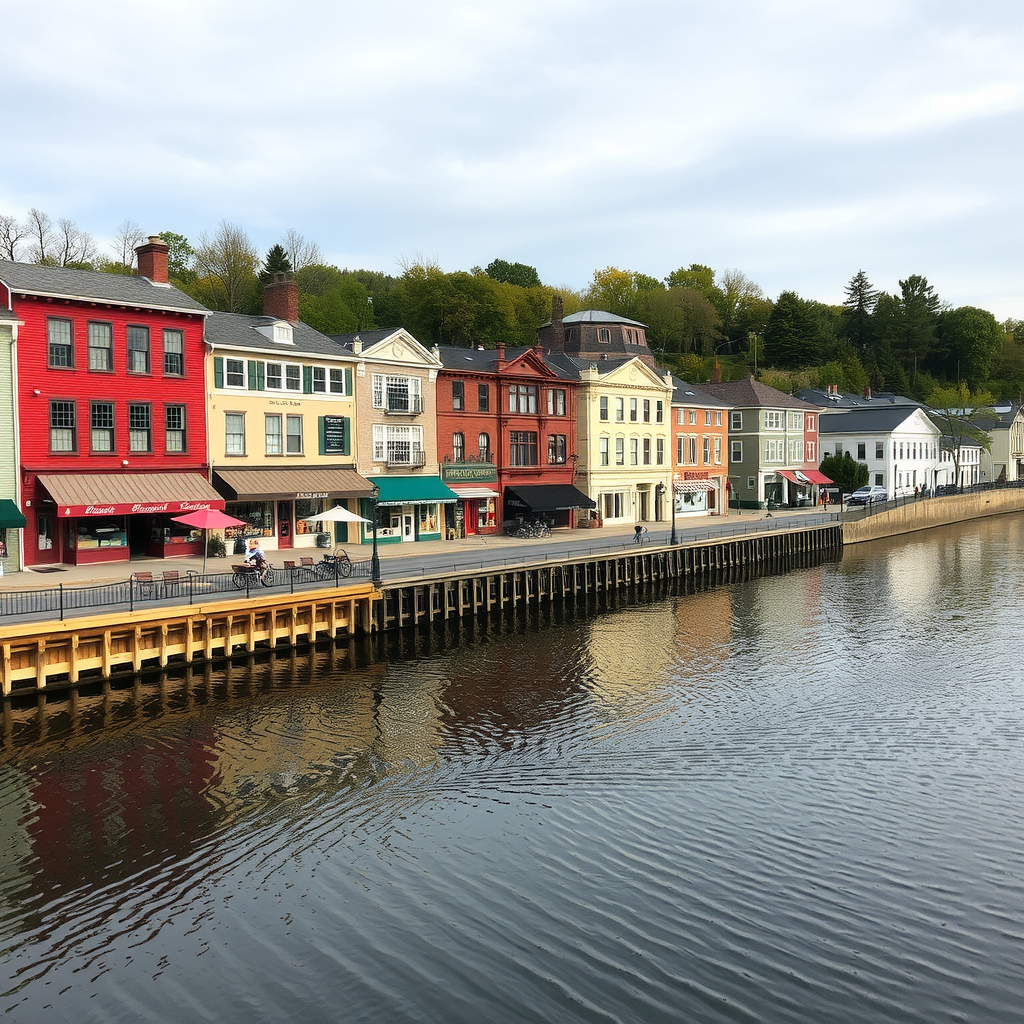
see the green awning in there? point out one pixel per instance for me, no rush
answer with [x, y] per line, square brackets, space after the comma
[10, 517]
[412, 490]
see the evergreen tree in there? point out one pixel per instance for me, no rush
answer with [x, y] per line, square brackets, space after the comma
[858, 307]
[791, 332]
[276, 262]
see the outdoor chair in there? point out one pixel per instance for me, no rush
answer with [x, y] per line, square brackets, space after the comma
[171, 582]
[145, 585]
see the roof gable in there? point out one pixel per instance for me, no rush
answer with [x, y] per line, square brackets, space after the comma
[400, 347]
[630, 372]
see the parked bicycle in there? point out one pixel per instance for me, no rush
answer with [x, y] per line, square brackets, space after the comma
[338, 564]
[533, 529]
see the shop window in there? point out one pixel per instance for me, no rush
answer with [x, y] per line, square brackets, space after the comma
[304, 508]
[234, 433]
[101, 427]
[174, 354]
[61, 352]
[258, 517]
[138, 350]
[459, 447]
[101, 348]
[174, 429]
[483, 397]
[92, 533]
[523, 447]
[62, 427]
[293, 435]
[458, 396]
[140, 427]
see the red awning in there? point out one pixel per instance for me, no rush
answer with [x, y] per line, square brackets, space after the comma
[790, 476]
[816, 476]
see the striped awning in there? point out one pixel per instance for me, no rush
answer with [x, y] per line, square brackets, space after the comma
[693, 486]
[105, 494]
[474, 492]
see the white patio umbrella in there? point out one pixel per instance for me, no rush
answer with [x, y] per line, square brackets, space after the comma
[338, 514]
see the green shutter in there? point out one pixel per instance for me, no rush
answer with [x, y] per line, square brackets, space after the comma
[307, 380]
[348, 381]
[347, 450]
[218, 372]
[321, 431]
[255, 375]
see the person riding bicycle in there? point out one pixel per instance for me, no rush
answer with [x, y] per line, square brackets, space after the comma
[255, 556]
[638, 533]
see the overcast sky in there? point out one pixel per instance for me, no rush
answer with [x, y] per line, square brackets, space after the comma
[795, 141]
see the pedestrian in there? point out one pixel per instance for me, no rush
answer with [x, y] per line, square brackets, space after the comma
[638, 533]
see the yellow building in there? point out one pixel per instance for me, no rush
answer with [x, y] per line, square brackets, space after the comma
[281, 416]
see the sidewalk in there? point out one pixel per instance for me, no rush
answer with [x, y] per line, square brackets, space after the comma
[31, 578]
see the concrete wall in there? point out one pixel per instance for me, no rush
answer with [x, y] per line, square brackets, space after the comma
[923, 515]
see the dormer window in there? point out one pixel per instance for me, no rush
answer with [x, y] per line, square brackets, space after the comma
[280, 332]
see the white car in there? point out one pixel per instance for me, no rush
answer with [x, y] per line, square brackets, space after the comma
[868, 495]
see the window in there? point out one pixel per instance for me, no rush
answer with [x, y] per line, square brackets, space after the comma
[61, 350]
[878, 479]
[680, 417]
[796, 421]
[101, 426]
[879, 449]
[706, 449]
[274, 434]
[620, 410]
[718, 451]
[522, 398]
[707, 417]
[140, 427]
[773, 420]
[718, 417]
[556, 449]
[796, 449]
[234, 373]
[483, 443]
[398, 445]
[234, 433]
[274, 377]
[602, 404]
[634, 451]
[101, 348]
[483, 397]
[318, 380]
[174, 428]
[336, 381]
[174, 353]
[774, 451]
[680, 450]
[616, 505]
[901, 449]
[861, 450]
[647, 451]
[812, 455]
[810, 422]
[293, 435]
[138, 350]
[604, 335]
[458, 396]
[397, 394]
[736, 451]
[660, 452]
[604, 454]
[839, 449]
[692, 417]
[659, 415]
[556, 402]
[620, 451]
[736, 423]
[459, 445]
[632, 410]
[62, 427]
[292, 377]
[647, 410]
[523, 447]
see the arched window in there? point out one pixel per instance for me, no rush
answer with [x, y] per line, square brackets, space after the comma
[484, 446]
[459, 447]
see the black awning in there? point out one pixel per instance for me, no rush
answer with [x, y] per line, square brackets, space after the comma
[547, 497]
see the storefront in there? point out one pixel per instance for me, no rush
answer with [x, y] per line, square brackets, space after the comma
[476, 511]
[555, 503]
[11, 523]
[108, 517]
[274, 503]
[697, 494]
[408, 508]
[801, 486]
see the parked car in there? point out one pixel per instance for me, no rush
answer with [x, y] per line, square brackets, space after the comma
[868, 495]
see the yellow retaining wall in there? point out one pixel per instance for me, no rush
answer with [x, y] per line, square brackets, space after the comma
[32, 654]
[923, 515]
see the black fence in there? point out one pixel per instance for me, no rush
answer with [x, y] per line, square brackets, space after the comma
[945, 490]
[171, 588]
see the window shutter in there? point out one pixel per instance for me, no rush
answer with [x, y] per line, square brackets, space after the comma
[348, 381]
[254, 375]
[347, 450]
[321, 430]
[307, 380]
[218, 372]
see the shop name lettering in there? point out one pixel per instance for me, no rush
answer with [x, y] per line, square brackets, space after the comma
[109, 510]
[281, 401]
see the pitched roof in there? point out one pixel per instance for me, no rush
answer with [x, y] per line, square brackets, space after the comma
[240, 330]
[749, 393]
[596, 316]
[689, 394]
[67, 283]
[454, 357]
[853, 400]
[865, 421]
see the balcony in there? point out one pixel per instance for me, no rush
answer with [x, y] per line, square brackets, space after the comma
[403, 405]
[406, 458]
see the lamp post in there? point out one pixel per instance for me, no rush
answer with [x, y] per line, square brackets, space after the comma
[672, 502]
[374, 557]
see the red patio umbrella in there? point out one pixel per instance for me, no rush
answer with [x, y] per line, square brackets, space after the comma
[208, 519]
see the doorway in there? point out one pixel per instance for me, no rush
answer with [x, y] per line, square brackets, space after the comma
[284, 524]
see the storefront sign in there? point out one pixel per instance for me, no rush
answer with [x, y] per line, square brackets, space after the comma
[695, 474]
[138, 508]
[335, 441]
[311, 494]
[477, 472]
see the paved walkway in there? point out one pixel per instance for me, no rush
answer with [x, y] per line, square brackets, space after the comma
[472, 548]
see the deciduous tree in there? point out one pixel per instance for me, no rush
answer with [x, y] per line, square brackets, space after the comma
[227, 267]
[128, 236]
[957, 411]
[513, 273]
[844, 472]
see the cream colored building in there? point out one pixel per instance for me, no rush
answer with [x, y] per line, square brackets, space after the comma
[396, 433]
[624, 435]
[281, 416]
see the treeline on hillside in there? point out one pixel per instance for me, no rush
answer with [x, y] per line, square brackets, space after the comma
[908, 341]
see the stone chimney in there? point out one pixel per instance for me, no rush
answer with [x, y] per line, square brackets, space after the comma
[716, 373]
[153, 260]
[281, 298]
[556, 339]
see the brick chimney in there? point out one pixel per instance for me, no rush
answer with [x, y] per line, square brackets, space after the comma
[716, 373]
[152, 258]
[281, 298]
[499, 363]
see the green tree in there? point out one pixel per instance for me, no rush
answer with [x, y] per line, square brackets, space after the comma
[858, 307]
[915, 324]
[227, 267]
[957, 411]
[513, 273]
[792, 333]
[275, 262]
[181, 257]
[846, 473]
[971, 338]
[619, 291]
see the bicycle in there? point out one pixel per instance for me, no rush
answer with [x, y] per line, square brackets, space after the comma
[249, 574]
[338, 564]
[638, 535]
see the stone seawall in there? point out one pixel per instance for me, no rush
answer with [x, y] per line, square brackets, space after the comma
[923, 515]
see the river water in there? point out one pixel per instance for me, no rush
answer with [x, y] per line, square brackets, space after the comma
[795, 798]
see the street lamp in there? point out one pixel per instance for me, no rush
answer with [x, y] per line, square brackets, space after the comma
[662, 490]
[374, 557]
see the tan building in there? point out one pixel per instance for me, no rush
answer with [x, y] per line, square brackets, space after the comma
[281, 415]
[396, 433]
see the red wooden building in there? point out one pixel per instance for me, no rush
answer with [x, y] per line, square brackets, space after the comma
[506, 438]
[111, 409]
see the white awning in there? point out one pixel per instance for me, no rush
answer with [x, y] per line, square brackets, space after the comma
[693, 486]
[474, 492]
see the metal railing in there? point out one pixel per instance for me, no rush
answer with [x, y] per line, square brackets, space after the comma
[946, 490]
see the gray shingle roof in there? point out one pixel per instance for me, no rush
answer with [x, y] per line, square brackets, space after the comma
[851, 400]
[239, 330]
[752, 394]
[66, 283]
[454, 358]
[882, 420]
[690, 394]
[596, 316]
